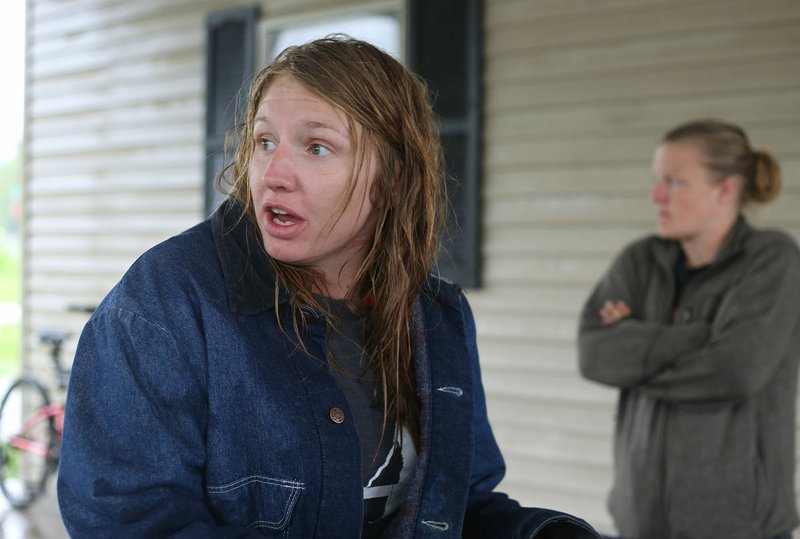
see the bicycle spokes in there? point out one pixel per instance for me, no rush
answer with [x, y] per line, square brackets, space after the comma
[29, 441]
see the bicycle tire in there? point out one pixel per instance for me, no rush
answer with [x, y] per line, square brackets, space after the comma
[28, 448]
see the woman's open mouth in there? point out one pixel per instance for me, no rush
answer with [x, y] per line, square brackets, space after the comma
[282, 217]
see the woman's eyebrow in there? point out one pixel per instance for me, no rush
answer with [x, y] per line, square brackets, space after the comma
[261, 120]
[311, 125]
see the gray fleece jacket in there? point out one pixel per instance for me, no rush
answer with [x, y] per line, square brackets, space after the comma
[705, 436]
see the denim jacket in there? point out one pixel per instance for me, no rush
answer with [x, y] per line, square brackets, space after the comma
[191, 413]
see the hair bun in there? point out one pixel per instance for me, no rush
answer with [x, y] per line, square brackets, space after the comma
[766, 184]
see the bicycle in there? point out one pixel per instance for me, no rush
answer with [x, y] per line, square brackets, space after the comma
[30, 428]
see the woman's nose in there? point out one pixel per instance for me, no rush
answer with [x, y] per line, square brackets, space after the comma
[659, 193]
[279, 173]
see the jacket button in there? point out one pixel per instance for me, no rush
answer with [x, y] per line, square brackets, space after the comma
[337, 415]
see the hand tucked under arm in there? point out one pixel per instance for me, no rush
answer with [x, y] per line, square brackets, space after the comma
[614, 311]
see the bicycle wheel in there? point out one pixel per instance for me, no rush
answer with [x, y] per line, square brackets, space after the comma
[28, 442]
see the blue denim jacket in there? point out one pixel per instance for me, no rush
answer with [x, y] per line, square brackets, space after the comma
[191, 414]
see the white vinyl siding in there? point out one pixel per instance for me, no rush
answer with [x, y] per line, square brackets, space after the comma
[577, 94]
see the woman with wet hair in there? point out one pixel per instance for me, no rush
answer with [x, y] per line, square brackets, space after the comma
[699, 328]
[291, 367]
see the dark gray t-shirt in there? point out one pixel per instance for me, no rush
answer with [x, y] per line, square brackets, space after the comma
[385, 470]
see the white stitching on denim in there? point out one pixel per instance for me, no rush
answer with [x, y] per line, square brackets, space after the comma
[286, 513]
[438, 526]
[220, 489]
[457, 391]
[294, 486]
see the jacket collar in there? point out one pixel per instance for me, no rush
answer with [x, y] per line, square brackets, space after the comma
[246, 267]
[668, 251]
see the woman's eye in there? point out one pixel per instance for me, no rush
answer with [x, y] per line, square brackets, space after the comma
[319, 150]
[266, 144]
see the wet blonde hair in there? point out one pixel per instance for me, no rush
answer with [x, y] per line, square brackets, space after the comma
[388, 110]
[728, 153]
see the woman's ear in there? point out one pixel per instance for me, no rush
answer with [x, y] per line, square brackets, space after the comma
[730, 188]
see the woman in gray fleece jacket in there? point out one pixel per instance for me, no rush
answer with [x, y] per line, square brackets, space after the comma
[699, 328]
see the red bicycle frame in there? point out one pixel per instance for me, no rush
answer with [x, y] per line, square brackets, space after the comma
[54, 411]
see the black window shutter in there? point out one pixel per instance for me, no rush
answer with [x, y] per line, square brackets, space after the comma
[230, 64]
[445, 47]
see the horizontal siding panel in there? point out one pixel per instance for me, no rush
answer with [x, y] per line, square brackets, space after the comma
[116, 181]
[553, 444]
[98, 264]
[138, 73]
[645, 22]
[600, 239]
[532, 357]
[779, 73]
[649, 118]
[547, 180]
[300, 8]
[538, 412]
[549, 151]
[529, 299]
[605, 180]
[115, 140]
[180, 111]
[547, 386]
[80, 292]
[612, 150]
[785, 211]
[145, 160]
[143, 58]
[506, 13]
[111, 224]
[119, 205]
[52, 313]
[149, 37]
[553, 210]
[104, 17]
[82, 245]
[512, 269]
[173, 89]
[569, 476]
[725, 46]
[550, 328]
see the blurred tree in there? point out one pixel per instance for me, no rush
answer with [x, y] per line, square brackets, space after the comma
[10, 194]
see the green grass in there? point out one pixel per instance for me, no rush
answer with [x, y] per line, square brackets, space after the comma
[10, 279]
[9, 350]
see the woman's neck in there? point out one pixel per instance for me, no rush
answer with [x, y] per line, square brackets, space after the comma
[702, 249]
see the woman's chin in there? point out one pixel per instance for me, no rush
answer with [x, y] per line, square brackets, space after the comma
[665, 232]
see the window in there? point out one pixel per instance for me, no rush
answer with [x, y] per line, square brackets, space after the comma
[381, 28]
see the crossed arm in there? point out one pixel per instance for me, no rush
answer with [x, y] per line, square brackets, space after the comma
[731, 355]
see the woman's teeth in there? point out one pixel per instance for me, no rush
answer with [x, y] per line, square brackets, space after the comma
[276, 212]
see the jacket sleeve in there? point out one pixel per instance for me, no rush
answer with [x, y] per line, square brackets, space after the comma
[494, 514]
[630, 352]
[752, 330]
[133, 446]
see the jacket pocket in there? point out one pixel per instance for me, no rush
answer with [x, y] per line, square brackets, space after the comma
[255, 502]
